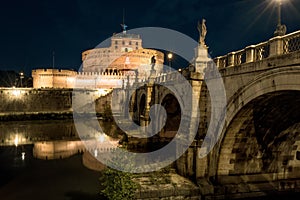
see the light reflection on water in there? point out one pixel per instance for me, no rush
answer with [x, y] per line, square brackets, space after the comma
[51, 139]
[26, 132]
[17, 160]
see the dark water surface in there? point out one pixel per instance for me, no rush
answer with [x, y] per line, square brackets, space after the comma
[29, 178]
[34, 179]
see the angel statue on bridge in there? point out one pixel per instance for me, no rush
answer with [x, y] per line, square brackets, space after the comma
[202, 31]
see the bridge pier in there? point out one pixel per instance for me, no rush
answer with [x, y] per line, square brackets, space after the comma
[250, 54]
[276, 46]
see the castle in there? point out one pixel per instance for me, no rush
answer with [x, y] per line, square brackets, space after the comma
[105, 68]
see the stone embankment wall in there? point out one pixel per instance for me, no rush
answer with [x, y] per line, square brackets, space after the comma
[165, 186]
[47, 103]
[19, 102]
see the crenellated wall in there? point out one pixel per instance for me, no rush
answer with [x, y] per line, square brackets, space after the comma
[53, 78]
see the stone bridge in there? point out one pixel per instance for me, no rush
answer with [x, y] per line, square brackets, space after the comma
[259, 146]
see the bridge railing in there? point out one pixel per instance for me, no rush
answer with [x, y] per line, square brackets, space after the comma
[275, 46]
[291, 42]
[169, 77]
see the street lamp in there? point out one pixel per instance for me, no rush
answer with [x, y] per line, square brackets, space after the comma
[279, 11]
[170, 56]
[281, 28]
[21, 77]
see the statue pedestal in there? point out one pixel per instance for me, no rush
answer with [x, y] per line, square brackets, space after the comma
[152, 76]
[202, 58]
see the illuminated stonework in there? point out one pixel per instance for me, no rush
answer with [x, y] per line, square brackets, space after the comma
[53, 78]
[105, 67]
[124, 55]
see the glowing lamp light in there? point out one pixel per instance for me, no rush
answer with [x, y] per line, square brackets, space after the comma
[170, 56]
[127, 61]
[102, 92]
[23, 155]
[102, 138]
[280, 1]
[16, 93]
[16, 141]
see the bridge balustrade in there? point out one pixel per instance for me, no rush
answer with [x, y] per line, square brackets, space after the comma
[274, 47]
[291, 42]
[167, 77]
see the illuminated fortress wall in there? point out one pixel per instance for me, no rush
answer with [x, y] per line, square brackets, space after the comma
[53, 78]
[125, 54]
[49, 78]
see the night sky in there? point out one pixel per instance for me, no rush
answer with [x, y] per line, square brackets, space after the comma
[32, 30]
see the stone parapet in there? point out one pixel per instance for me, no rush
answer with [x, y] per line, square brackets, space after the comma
[276, 46]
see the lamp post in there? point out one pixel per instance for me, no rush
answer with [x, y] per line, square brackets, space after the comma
[21, 77]
[279, 2]
[170, 56]
[281, 28]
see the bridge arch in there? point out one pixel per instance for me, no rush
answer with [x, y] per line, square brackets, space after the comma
[142, 105]
[173, 110]
[260, 134]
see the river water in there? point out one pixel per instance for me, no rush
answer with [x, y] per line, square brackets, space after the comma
[24, 177]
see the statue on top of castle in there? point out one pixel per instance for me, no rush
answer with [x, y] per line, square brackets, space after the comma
[153, 61]
[202, 31]
[124, 26]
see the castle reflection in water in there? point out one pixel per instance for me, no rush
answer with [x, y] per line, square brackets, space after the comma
[55, 139]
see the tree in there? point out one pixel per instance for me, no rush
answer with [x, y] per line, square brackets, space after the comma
[117, 185]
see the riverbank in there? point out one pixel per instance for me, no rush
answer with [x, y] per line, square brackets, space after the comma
[25, 116]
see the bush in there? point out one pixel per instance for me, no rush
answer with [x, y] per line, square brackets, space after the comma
[117, 185]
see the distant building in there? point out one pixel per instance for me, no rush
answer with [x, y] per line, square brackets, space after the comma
[105, 67]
